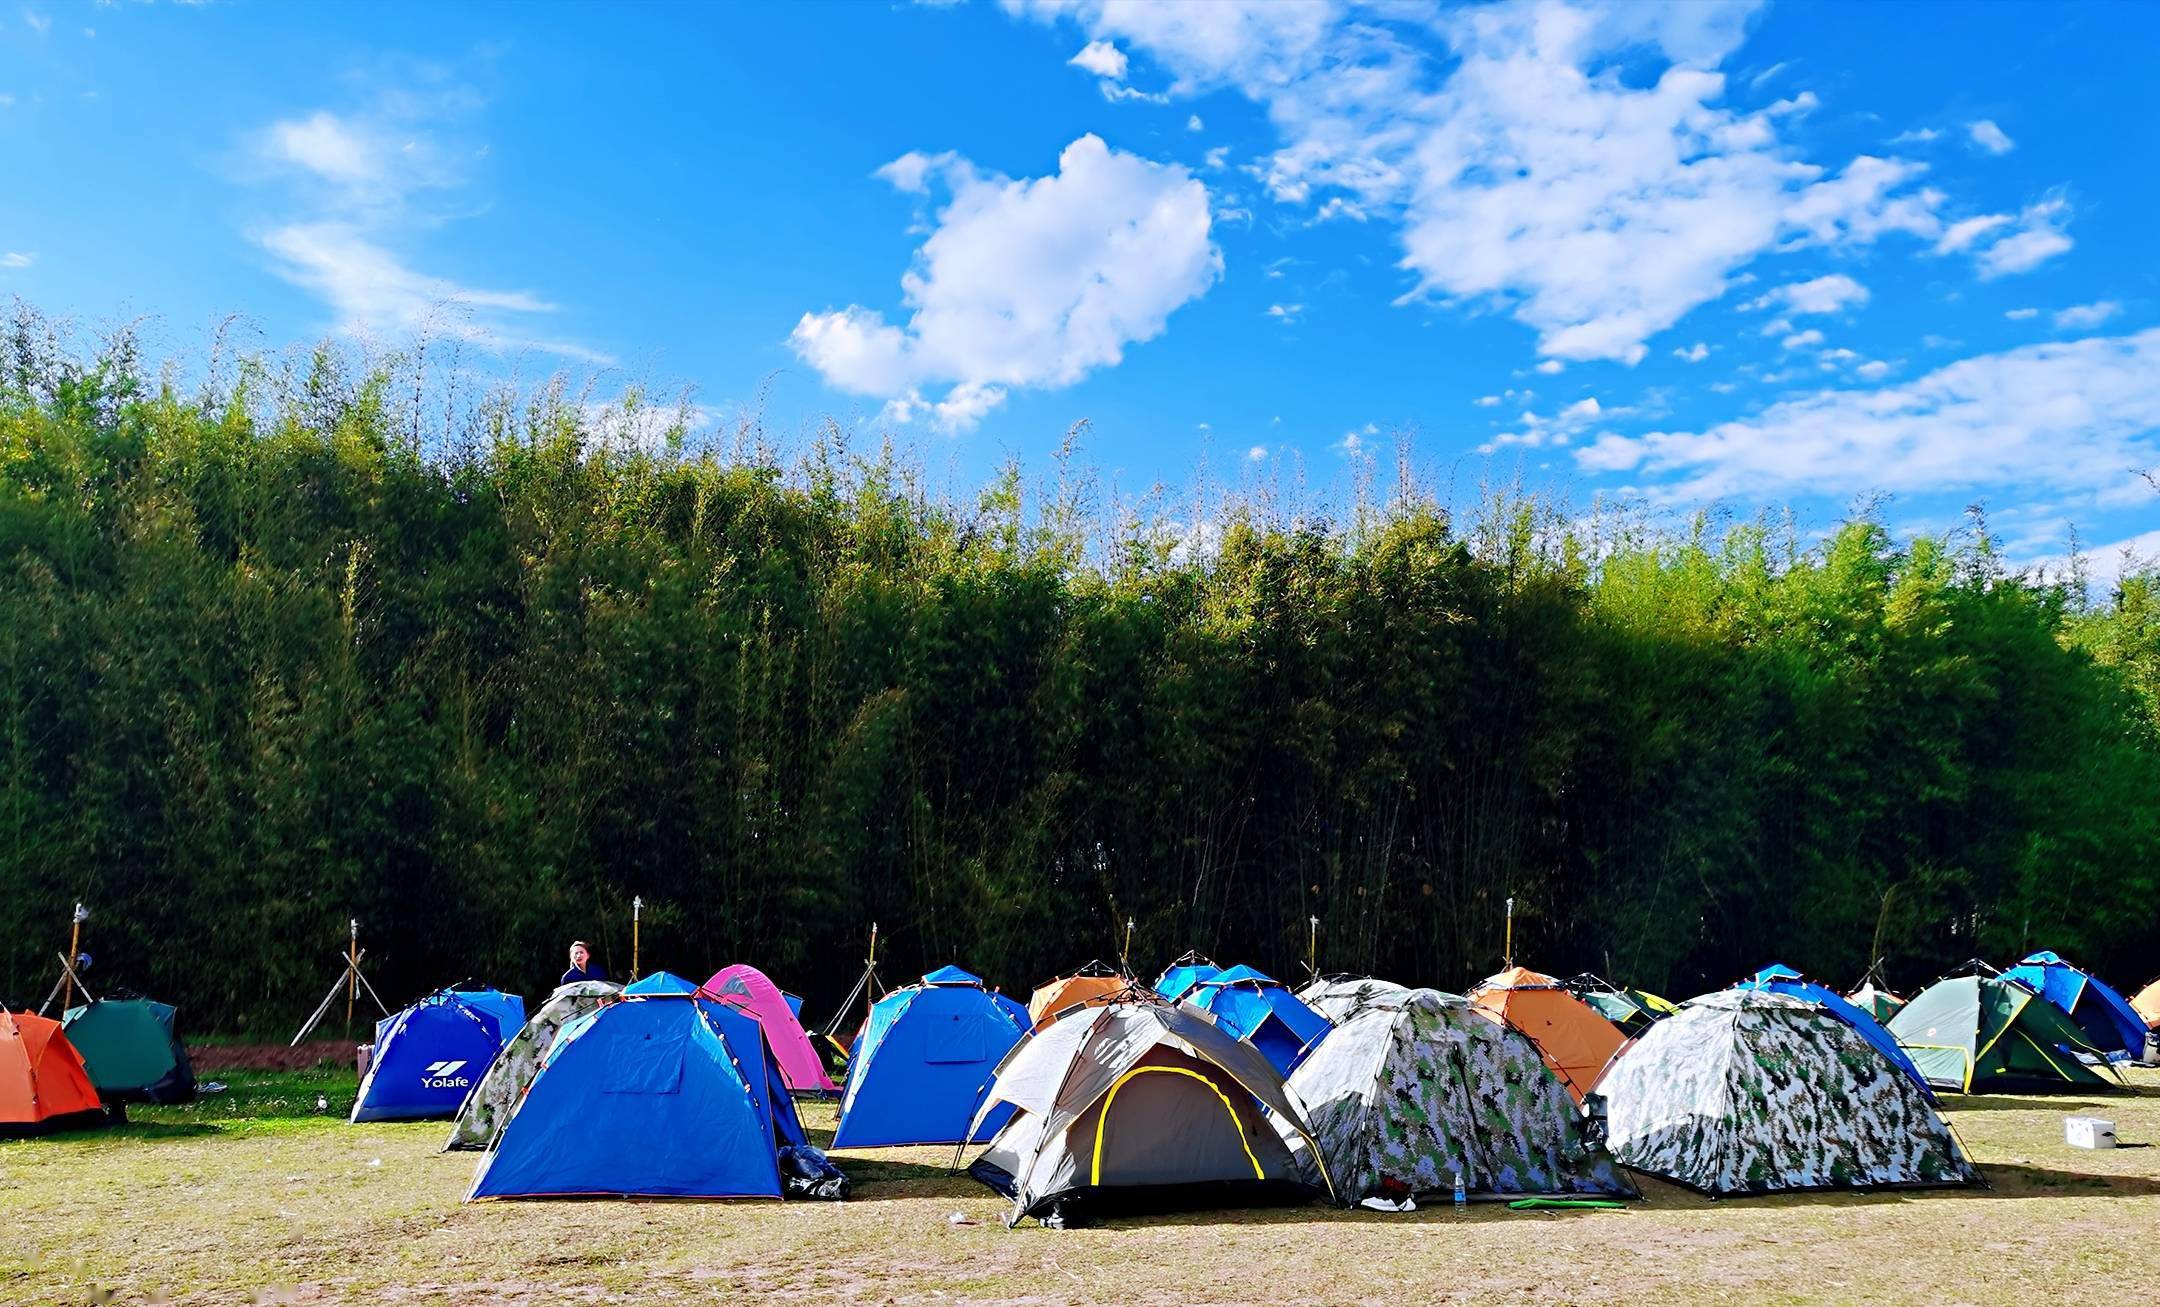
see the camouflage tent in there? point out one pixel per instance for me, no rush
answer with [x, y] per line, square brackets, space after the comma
[1418, 1087]
[1745, 1092]
[1338, 998]
[489, 1105]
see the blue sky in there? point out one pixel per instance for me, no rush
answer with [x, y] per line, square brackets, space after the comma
[1712, 253]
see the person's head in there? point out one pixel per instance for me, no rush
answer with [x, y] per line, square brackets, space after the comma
[579, 954]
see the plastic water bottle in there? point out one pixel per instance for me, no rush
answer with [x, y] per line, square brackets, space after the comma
[1461, 1199]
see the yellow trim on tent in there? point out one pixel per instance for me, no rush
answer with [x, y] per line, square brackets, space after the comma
[2043, 1055]
[2007, 1026]
[1971, 1063]
[1102, 1119]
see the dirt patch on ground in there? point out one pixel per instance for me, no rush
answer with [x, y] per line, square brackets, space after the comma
[272, 1057]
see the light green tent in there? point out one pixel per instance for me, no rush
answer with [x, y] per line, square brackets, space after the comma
[129, 1048]
[1973, 1033]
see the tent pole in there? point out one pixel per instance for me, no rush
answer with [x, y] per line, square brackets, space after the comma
[1507, 956]
[352, 969]
[637, 910]
[67, 978]
[1125, 954]
[1312, 947]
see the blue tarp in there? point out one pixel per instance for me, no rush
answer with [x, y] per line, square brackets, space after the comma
[924, 1061]
[660, 1095]
[2109, 1022]
[1258, 1009]
[429, 1056]
[1777, 978]
[1177, 981]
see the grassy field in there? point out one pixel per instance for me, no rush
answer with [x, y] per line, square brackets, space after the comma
[251, 1196]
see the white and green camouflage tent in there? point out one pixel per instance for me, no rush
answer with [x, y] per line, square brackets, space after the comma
[1415, 1086]
[1338, 998]
[489, 1104]
[1746, 1092]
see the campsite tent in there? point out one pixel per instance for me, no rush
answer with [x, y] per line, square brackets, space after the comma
[1090, 984]
[1876, 1001]
[1972, 1033]
[1749, 1092]
[1261, 1011]
[924, 1061]
[131, 1051]
[754, 992]
[1632, 1010]
[659, 1095]
[488, 1107]
[43, 1084]
[2147, 1003]
[1575, 1040]
[1138, 1105]
[2110, 1024]
[1777, 978]
[1178, 979]
[1418, 1087]
[1338, 998]
[660, 982]
[428, 1057]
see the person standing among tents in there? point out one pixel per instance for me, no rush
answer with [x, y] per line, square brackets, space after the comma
[582, 967]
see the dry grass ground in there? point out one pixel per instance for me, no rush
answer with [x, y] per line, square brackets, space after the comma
[229, 1202]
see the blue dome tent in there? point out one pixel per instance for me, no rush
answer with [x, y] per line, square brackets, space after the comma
[1179, 978]
[1777, 978]
[429, 1056]
[924, 1061]
[1258, 1009]
[2111, 1025]
[659, 1095]
[660, 982]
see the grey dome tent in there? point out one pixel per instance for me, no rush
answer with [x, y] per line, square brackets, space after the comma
[488, 1106]
[1418, 1087]
[1139, 1106]
[1746, 1092]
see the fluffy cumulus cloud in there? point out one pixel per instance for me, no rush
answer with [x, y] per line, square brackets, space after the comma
[2084, 317]
[1989, 137]
[1022, 282]
[2071, 416]
[1578, 164]
[1821, 295]
[1102, 59]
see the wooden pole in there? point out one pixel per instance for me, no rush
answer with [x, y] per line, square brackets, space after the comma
[67, 981]
[869, 989]
[1124, 956]
[1507, 956]
[352, 969]
[1312, 947]
[637, 911]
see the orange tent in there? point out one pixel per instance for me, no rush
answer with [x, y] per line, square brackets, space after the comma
[1575, 1040]
[43, 1085]
[1091, 984]
[2147, 1003]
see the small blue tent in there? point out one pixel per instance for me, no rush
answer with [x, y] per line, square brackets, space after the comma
[1179, 978]
[429, 1056]
[1777, 978]
[1258, 1009]
[925, 1060]
[660, 982]
[2107, 1019]
[661, 1095]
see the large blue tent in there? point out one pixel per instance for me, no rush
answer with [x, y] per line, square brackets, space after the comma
[1777, 978]
[662, 1094]
[925, 1060]
[429, 1056]
[2106, 1017]
[1258, 1009]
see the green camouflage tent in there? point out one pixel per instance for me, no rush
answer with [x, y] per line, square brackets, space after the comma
[492, 1101]
[1416, 1087]
[1747, 1092]
[1975, 1033]
[1338, 998]
[131, 1051]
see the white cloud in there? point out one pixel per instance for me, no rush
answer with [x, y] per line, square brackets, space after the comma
[37, 22]
[1552, 367]
[1802, 339]
[2039, 237]
[1822, 295]
[1102, 59]
[2020, 315]
[1026, 282]
[2084, 317]
[1217, 159]
[2067, 415]
[1958, 235]
[911, 172]
[1582, 410]
[17, 259]
[1257, 454]
[1695, 353]
[373, 292]
[1285, 312]
[1989, 137]
[1874, 370]
[1572, 164]
[1487, 401]
[1757, 82]
[1916, 136]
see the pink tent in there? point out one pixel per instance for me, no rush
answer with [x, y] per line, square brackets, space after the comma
[762, 999]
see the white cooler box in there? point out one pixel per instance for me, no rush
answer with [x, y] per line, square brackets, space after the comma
[2088, 1132]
